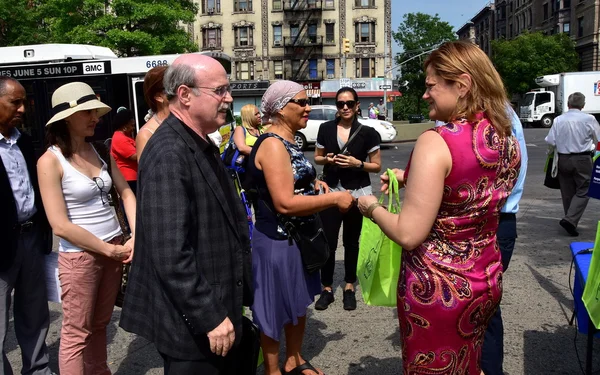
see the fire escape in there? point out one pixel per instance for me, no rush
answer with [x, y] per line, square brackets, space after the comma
[303, 46]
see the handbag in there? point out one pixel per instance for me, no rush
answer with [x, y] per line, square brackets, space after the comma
[379, 258]
[328, 167]
[591, 291]
[249, 347]
[551, 169]
[232, 157]
[115, 202]
[310, 239]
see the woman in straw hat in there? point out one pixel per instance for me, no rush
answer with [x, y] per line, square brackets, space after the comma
[74, 182]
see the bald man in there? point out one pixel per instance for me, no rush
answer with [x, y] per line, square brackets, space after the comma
[190, 274]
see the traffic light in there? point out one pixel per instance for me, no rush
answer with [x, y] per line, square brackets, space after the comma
[346, 45]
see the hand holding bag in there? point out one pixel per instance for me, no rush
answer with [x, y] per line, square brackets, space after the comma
[551, 169]
[379, 257]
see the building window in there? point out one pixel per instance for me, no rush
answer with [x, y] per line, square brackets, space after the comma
[312, 69]
[365, 68]
[278, 68]
[294, 30]
[211, 6]
[545, 11]
[566, 4]
[276, 4]
[580, 27]
[330, 67]
[364, 3]
[277, 35]
[365, 32]
[567, 27]
[244, 70]
[312, 33]
[329, 4]
[243, 36]
[330, 33]
[211, 38]
[242, 6]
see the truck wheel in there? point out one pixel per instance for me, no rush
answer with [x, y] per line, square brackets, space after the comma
[546, 122]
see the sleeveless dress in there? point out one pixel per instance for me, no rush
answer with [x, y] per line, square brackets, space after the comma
[282, 289]
[451, 285]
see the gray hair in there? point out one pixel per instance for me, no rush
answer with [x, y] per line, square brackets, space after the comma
[4, 81]
[576, 100]
[177, 75]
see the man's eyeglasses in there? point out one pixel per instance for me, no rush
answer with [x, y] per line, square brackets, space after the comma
[102, 186]
[301, 102]
[350, 103]
[220, 91]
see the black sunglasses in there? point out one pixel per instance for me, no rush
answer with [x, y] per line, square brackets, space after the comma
[101, 186]
[300, 102]
[350, 103]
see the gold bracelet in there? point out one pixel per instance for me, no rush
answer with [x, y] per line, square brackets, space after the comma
[371, 208]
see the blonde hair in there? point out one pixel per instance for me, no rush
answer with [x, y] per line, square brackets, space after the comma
[487, 93]
[248, 117]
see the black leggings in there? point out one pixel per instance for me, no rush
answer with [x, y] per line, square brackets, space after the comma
[332, 221]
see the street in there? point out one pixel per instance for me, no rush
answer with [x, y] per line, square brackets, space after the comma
[536, 306]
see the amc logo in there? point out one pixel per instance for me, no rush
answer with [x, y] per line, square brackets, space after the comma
[93, 68]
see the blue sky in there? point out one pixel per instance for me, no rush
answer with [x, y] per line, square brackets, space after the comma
[455, 12]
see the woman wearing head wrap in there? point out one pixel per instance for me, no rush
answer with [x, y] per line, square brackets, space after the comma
[75, 183]
[286, 184]
[457, 179]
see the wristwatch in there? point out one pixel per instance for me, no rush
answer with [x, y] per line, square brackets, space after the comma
[362, 165]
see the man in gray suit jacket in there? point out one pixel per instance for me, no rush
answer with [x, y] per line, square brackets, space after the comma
[190, 273]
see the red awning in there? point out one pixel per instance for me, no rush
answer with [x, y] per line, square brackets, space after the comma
[363, 94]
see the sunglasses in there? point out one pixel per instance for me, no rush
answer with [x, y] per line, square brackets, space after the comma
[350, 103]
[101, 186]
[300, 102]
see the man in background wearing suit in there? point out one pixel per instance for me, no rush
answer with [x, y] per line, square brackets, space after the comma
[190, 274]
[26, 237]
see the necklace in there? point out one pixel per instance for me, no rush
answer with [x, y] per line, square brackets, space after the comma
[155, 117]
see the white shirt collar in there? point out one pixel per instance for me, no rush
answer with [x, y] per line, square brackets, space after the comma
[14, 137]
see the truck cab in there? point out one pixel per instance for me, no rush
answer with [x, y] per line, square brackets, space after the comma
[538, 108]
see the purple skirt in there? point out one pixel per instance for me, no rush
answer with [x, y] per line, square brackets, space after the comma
[282, 289]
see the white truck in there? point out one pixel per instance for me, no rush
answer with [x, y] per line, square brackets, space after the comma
[541, 106]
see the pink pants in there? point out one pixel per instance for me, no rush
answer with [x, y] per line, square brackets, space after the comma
[89, 283]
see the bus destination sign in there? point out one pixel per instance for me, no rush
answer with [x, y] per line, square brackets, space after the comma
[56, 70]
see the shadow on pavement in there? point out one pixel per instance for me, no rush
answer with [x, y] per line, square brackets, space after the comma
[137, 363]
[549, 286]
[370, 365]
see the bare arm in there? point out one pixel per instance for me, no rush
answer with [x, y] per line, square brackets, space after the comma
[239, 139]
[431, 163]
[273, 159]
[321, 158]
[50, 176]
[140, 141]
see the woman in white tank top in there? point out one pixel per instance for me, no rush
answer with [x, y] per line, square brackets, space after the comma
[74, 183]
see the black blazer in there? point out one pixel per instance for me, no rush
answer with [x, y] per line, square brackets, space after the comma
[8, 208]
[192, 262]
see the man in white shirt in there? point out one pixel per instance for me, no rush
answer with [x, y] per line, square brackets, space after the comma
[575, 135]
[382, 110]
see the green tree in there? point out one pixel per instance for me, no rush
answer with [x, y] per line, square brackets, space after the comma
[20, 23]
[128, 27]
[418, 33]
[519, 61]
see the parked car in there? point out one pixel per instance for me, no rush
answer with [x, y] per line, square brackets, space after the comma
[412, 119]
[321, 113]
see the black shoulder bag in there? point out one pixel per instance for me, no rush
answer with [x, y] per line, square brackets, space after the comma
[343, 151]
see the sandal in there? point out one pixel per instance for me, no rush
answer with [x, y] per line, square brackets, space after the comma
[298, 370]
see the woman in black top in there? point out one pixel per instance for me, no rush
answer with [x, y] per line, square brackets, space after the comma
[345, 168]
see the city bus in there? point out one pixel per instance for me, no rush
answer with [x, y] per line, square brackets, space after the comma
[41, 69]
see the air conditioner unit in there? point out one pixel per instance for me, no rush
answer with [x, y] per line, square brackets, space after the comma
[212, 45]
[277, 43]
[211, 10]
[330, 76]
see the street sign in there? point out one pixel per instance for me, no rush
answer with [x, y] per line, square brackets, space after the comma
[385, 87]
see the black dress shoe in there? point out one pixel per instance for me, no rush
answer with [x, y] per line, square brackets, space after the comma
[570, 228]
[324, 300]
[349, 300]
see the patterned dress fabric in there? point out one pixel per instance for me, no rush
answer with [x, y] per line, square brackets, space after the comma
[451, 285]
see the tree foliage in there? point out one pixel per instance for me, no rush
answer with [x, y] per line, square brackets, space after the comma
[519, 61]
[128, 27]
[418, 33]
[20, 23]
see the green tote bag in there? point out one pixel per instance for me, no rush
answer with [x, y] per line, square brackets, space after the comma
[591, 291]
[379, 257]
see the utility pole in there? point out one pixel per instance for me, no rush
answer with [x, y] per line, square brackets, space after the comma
[385, 47]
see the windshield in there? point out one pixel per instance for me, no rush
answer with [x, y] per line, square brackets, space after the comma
[528, 99]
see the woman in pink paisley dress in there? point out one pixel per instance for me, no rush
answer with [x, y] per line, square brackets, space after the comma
[457, 180]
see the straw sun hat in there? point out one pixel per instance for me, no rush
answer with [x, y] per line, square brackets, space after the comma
[74, 97]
